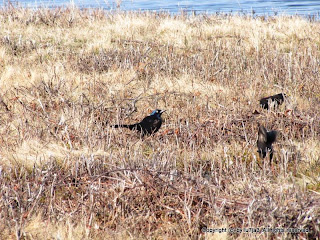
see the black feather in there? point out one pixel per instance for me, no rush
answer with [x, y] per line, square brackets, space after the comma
[148, 126]
[265, 140]
[276, 99]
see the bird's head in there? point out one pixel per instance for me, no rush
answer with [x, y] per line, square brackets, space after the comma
[157, 113]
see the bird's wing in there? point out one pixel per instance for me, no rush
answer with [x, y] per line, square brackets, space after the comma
[271, 136]
[262, 134]
[149, 120]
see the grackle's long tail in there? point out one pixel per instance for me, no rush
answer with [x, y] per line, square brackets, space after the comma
[131, 127]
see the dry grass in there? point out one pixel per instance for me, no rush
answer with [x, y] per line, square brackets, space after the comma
[66, 74]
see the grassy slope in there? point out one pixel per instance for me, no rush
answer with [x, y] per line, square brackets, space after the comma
[67, 74]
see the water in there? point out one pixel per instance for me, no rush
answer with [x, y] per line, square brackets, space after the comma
[260, 7]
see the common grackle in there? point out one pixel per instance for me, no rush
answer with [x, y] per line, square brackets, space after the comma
[149, 125]
[277, 99]
[265, 140]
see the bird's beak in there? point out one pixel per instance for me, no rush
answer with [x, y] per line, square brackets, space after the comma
[162, 111]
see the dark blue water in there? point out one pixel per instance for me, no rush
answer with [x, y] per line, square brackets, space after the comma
[260, 7]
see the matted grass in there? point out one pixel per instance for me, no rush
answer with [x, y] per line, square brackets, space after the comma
[68, 74]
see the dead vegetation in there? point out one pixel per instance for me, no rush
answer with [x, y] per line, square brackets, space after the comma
[66, 74]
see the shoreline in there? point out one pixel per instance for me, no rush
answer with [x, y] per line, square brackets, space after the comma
[251, 12]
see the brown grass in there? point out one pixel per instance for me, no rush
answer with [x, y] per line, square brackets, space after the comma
[67, 74]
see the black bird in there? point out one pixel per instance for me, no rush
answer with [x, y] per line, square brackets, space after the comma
[149, 125]
[277, 99]
[265, 140]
